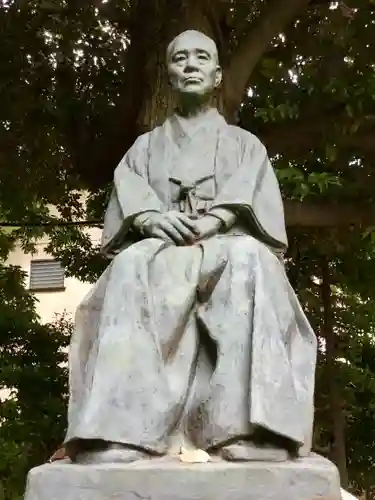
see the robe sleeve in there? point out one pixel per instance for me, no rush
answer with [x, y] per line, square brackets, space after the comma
[253, 193]
[226, 217]
[131, 196]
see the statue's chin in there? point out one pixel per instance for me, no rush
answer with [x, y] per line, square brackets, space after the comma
[195, 94]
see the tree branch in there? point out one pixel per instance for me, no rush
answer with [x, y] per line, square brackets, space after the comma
[297, 213]
[269, 23]
[308, 214]
[305, 133]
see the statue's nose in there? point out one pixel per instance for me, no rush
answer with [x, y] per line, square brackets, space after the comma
[191, 65]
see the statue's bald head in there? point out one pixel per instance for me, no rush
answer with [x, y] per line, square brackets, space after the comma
[190, 38]
[193, 65]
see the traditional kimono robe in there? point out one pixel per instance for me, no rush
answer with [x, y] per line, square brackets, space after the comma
[208, 339]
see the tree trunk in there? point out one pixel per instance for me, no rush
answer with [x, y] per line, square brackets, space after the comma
[336, 410]
[175, 16]
[146, 99]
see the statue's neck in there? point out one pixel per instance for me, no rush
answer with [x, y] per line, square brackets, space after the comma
[194, 107]
[194, 121]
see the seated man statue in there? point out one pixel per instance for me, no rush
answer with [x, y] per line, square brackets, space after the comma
[193, 336]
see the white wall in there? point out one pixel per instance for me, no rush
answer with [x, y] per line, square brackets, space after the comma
[52, 303]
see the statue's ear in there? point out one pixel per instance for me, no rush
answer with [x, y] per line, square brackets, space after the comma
[169, 80]
[219, 76]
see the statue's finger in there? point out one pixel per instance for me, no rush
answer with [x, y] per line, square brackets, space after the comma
[173, 233]
[160, 234]
[186, 232]
[189, 223]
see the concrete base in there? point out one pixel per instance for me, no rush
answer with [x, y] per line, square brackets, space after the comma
[312, 478]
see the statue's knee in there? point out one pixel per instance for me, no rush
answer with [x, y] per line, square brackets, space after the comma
[129, 256]
[137, 254]
[248, 247]
[245, 247]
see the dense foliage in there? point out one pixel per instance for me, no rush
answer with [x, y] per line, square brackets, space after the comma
[33, 381]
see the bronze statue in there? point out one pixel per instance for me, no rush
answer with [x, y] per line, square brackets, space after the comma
[193, 336]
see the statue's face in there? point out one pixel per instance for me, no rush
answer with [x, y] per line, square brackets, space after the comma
[193, 64]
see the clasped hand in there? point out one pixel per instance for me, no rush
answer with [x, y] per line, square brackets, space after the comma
[179, 228]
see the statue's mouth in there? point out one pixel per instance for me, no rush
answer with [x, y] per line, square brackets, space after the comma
[193, 79]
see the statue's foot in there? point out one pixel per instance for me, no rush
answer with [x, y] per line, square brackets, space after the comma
[246, 451]
[114, 453]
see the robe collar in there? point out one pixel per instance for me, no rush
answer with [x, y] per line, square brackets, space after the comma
[173, 134]
[181, 131]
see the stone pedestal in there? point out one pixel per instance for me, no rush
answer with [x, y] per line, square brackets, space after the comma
[312, 478]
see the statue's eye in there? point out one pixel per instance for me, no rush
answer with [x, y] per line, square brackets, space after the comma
[179, 58]
[203, 56]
